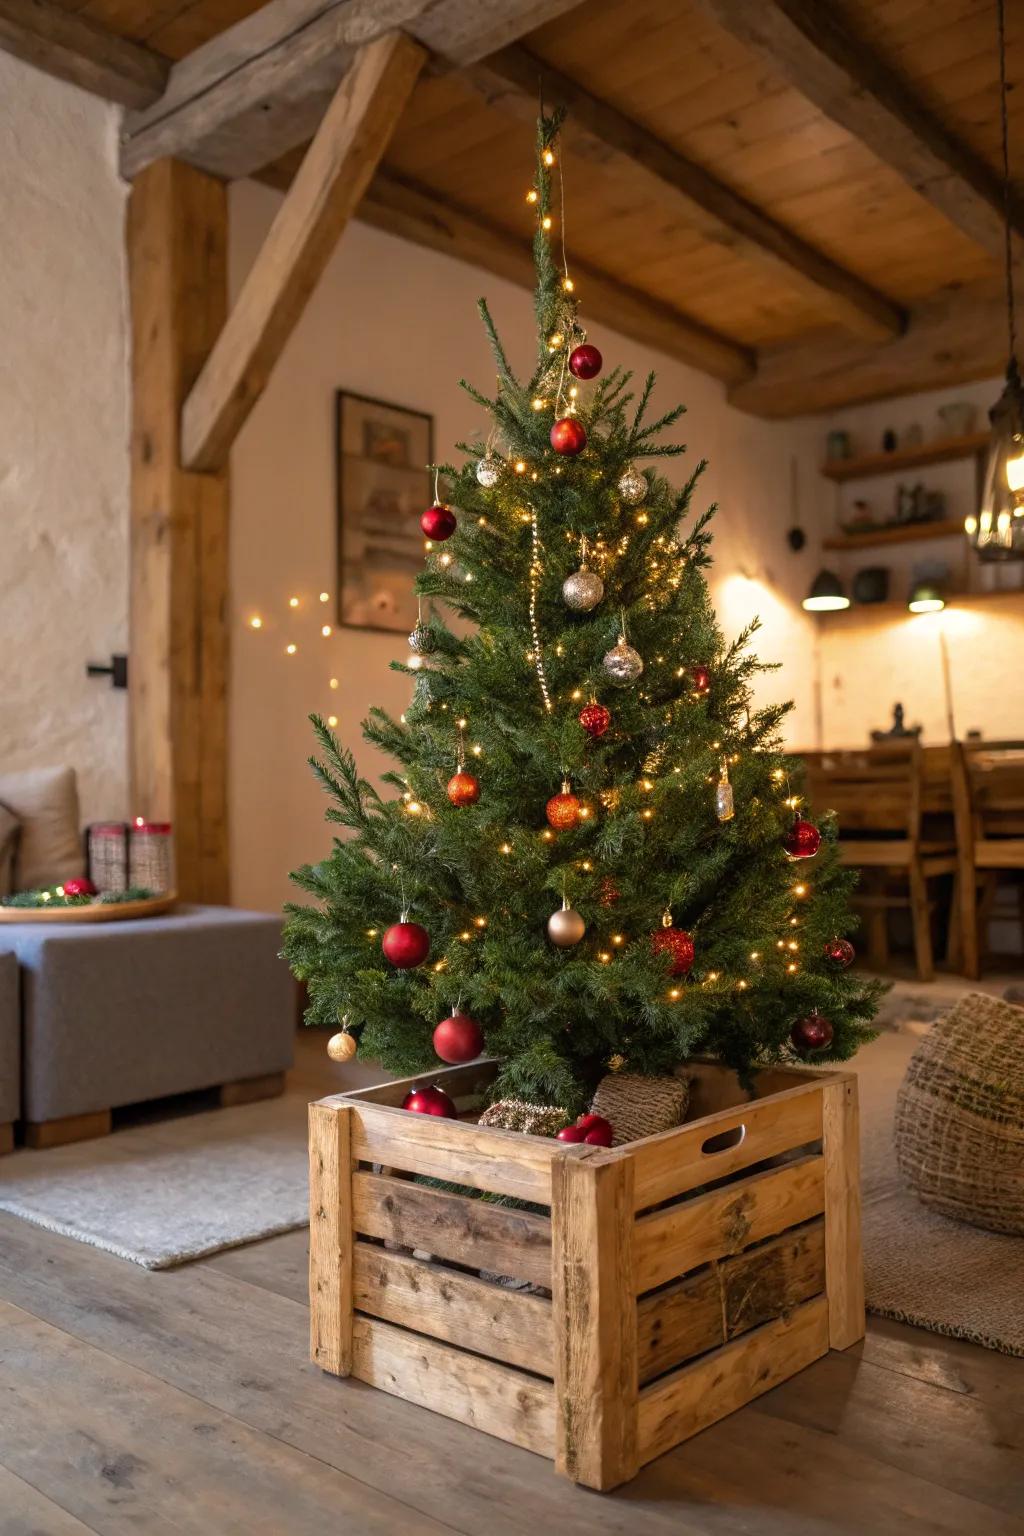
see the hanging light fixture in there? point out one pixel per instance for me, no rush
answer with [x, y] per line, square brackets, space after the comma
[997, 531]
[827, 594]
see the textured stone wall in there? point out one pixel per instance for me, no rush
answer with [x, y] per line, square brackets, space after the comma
[63, 434]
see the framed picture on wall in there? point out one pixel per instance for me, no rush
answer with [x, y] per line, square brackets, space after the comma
[383, 486]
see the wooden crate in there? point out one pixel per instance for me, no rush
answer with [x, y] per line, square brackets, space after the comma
[683, 1274]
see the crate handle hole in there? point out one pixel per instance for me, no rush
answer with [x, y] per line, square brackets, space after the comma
[724, 1140]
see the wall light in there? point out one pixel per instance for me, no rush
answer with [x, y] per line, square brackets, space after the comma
[826, 595]
[925, 597]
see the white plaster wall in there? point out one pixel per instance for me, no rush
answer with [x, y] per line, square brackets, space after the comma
[63, 434]
[397, 322]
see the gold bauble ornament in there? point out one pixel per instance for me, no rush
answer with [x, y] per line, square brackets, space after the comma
[342, 1046]
[566, 927]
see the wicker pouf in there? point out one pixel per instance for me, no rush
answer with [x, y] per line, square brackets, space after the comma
[960, 1115]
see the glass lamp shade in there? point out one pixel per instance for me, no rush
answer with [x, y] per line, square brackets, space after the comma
[997, 531]
[925, 597]
[826, 595]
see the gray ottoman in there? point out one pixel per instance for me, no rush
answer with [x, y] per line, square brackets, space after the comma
[10, 1051]
[116, 1013]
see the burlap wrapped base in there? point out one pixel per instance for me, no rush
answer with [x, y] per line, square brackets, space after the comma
[959, 1127]
[640, 1106]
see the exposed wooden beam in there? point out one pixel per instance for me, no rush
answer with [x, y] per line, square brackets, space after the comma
[813, 46]
[951, 339]
[259, 89]
[599, 133]
[334, 173]
[75, 49]
[413, 212]
[177, 267]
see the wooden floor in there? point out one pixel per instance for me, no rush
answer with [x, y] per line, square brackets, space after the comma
[182, 1402]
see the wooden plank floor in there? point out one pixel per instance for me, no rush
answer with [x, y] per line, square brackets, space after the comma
[182, 1402]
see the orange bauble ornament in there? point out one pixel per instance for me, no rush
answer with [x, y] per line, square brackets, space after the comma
[563, 810]
[463, 788]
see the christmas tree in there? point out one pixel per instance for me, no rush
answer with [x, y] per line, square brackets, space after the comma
[596, 855]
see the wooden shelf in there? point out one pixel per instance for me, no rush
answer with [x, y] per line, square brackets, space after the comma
[943, 451]
[901, 533]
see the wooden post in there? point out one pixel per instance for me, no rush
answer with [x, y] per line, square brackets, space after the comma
[844, 1263]
[177, 262]
[595, 1319]
[330, 1237]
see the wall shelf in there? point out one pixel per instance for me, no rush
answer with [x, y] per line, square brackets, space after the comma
[943, 451]
[900, 533]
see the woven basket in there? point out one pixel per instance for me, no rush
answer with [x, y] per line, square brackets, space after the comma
[640, 1106]
[959, 1127]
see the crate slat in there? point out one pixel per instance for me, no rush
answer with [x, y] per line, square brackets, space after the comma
[330, 1238]
[672, 1163]
[687, 1401]
[596, 1379]
[495, 1398]
[459, 1152]
[459, 1082]
[717, 1303]
[455, 1227]
[508, 1325]
[844, 1263]
[726, 1220]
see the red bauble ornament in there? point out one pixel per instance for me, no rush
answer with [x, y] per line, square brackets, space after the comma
[458, 1039]
[463, 788]
[608, 892]
[803, 839]
[700, 678]
[79, 886]
[568, 436]
[595, 719]
[840, 952]
[563, 811]
[406, 944]
[573, 1133]
[677, 943]
[597, 1131]
[438, 523]
[585, 362]
[430, 1100]
[814, 1033]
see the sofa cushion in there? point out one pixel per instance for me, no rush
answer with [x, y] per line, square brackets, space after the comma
[10, 826]
[45, 801]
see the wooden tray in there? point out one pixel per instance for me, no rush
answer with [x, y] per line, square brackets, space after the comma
[96, 912]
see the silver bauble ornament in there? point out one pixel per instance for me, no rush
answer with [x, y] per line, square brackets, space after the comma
[488, 472]
[422, 640]
[583, 590]
[622, 664]
[632, 486]
[566, 927]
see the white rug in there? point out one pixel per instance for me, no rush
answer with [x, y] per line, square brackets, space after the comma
[160, 1194]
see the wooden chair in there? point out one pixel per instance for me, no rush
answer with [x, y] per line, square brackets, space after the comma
[877, 795]
[988, 791]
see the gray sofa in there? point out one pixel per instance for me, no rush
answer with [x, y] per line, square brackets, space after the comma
[117, 1013]
[10, 1051]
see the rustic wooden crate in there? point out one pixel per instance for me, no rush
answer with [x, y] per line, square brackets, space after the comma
[685, 1274]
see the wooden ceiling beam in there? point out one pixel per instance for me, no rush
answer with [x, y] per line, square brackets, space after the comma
[259, 89]
[334, 173]
[75, 49]
[413, 212]
[957, 336]
[599, 133]
[811, 45]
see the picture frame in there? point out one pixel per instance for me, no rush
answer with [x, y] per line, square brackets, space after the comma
[382, 453]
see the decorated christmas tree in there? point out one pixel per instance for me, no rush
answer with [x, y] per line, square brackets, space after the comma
[596, 857]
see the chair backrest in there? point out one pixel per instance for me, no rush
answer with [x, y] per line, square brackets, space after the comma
[874, 791]
[989, 785]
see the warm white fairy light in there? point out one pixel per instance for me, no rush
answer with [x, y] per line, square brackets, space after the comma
[290, 650]
[325, 630]
[535, 573]
[255, 622]
[293, 602]
[333, 683]
[332, 721]
[325, 597]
